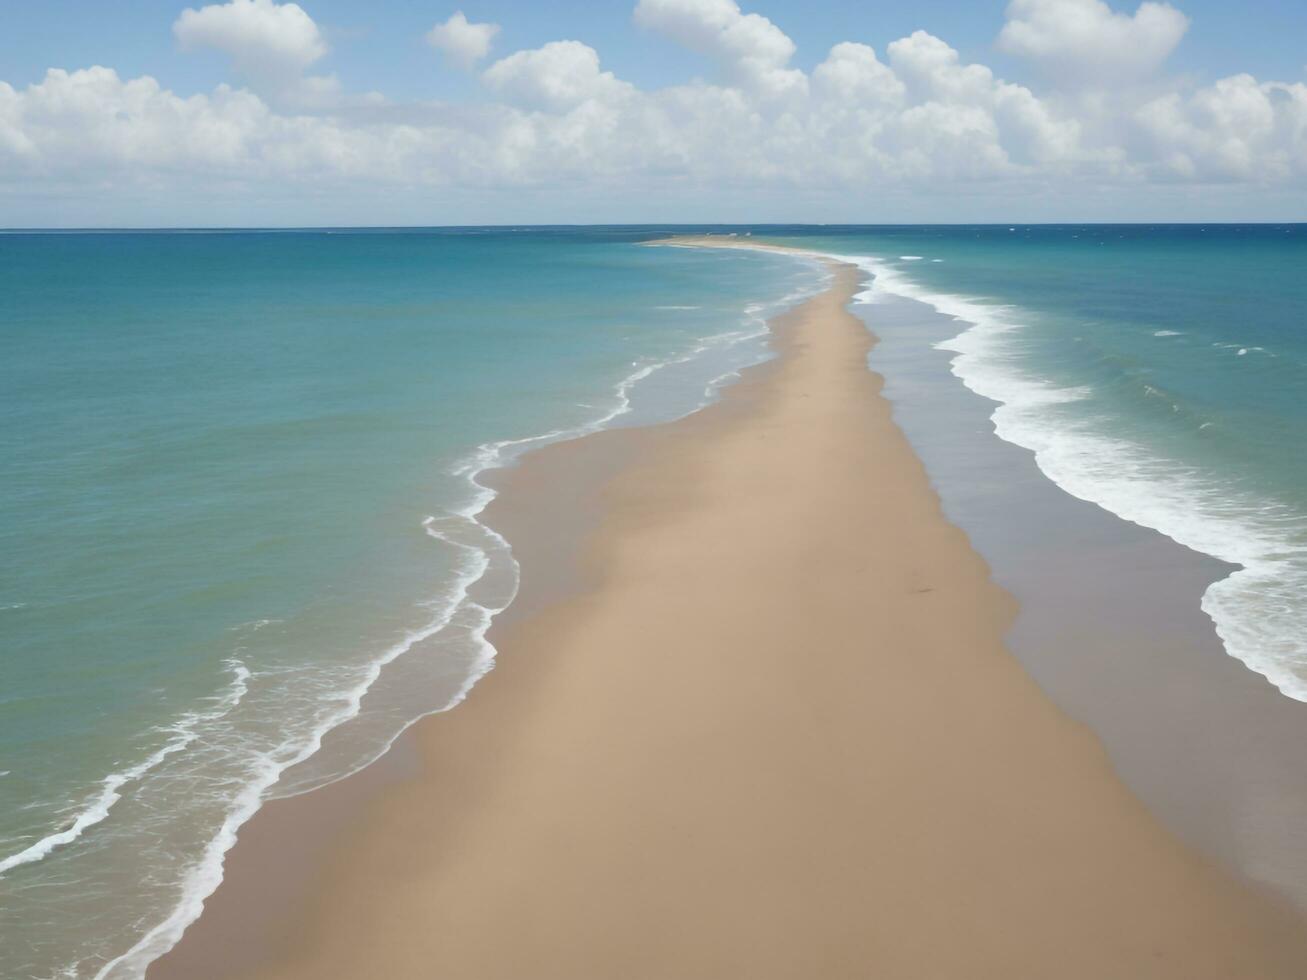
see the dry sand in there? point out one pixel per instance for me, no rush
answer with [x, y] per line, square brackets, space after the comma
[768, 730]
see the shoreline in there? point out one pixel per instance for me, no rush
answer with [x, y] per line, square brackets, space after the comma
[481, 753]
[1111, 626]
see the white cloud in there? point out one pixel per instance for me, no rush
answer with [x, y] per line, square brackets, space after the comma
[556, 78]
[921, 121]
[933, 71]
[1237, 129]
[262, 37]
[1085, 41]
[71, 122]
[270, 44]
[752, 50]
[966, 109]
[462, 42]
[853, 74]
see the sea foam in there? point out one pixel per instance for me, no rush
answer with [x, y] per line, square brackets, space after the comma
[462, 615]
[1258, 610]
[179, 735]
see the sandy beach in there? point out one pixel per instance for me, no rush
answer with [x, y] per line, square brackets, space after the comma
[752, 716]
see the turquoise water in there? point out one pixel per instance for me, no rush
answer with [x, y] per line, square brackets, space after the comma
[240, 546]
[1158, 371]
[239, 512]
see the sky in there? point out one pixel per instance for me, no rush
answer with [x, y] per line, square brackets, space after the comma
[333, 112]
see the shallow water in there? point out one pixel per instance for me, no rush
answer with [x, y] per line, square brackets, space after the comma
[1110, 623]
[240, 547]
[1157, 371]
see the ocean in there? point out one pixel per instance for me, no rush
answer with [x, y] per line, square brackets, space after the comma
[1157, 371]
[241, 547]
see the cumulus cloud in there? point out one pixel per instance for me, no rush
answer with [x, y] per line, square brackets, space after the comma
[852, 73]
[461, 41]
[933, 71]
[261, 36]
[1238, 129]
[1001, 126]
[70, 122]
[918, 119]
[270, 44]
[1085, 41]
[752, 50]
[555, 78]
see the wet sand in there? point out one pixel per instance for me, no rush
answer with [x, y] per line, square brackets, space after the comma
[1110, 623]
[766, 726]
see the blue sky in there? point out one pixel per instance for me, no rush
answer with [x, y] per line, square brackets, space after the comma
[378, 45]
[1160, 135]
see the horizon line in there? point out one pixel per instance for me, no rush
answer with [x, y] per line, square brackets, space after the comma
[520, 226]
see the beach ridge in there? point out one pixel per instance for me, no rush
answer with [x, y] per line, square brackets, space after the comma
[768, 728]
